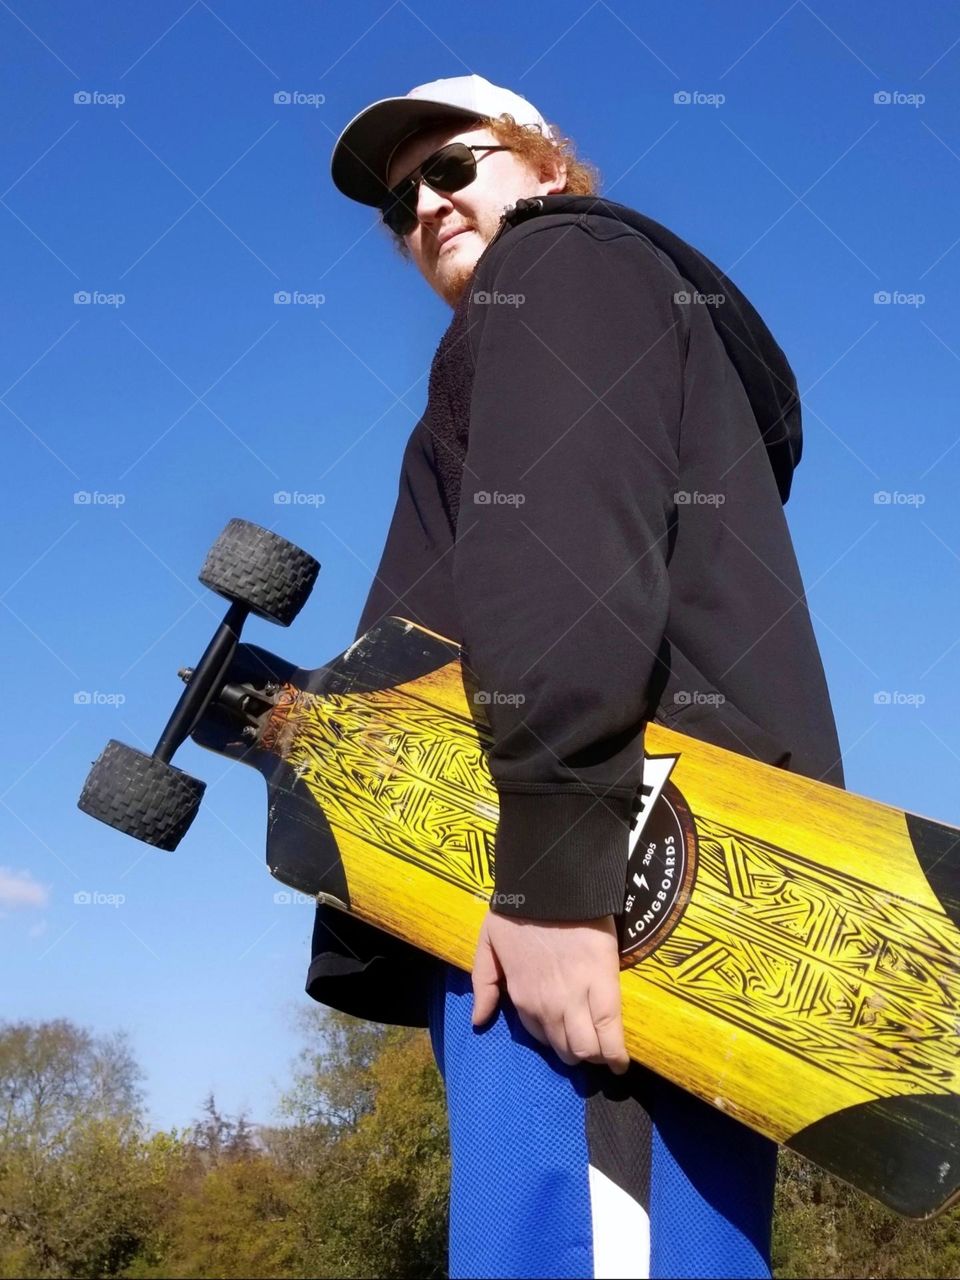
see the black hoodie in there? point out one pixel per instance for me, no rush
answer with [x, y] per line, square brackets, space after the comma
[592, 505]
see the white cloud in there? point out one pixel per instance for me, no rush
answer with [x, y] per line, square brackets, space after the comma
[19, 889]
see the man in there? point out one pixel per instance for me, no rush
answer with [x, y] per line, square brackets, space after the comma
[592, 505]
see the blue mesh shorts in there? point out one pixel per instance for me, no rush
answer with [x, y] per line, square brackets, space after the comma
[573, 1171]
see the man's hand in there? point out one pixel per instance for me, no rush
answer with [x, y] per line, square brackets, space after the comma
[564, 980]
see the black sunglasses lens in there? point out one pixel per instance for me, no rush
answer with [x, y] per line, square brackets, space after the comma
[400, 215]
[451, 169]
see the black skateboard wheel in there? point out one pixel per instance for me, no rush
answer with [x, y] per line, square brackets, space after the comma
[251, 566]
[141, 795]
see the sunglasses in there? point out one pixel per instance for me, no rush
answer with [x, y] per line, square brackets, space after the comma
[450, 169]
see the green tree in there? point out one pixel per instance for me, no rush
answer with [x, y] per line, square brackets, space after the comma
[369, 1140]
[70, 1151]
[217, 1137]
[333, 1085]
[90, 1209]
[55, 1075]
[237, 1220]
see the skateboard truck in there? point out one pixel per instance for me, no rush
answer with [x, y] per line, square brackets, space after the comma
[146, 795]
[245, 705]
[204, 682]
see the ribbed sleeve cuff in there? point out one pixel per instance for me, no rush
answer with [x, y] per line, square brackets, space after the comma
[561, 855]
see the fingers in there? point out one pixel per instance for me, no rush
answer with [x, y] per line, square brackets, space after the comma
[607, 1020]
[586, 1030]
[486, 981]
[568, 1031]
[574, 1037]
[544, 1026]
[556, 1035]
[581, 1035]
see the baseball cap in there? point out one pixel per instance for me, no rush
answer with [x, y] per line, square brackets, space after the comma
[361, 157]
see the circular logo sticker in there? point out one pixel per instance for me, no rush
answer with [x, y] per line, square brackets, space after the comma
[660, 875]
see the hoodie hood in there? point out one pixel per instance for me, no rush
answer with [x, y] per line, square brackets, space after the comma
[761, 365]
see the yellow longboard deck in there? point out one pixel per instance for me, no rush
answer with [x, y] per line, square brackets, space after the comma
[790, 951]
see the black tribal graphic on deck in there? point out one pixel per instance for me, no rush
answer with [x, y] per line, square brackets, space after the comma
[807, 960]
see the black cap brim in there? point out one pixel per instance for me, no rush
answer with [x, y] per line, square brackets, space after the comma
[363, 150]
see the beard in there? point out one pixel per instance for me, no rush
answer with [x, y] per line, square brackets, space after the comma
[454, 271]
[452, 281]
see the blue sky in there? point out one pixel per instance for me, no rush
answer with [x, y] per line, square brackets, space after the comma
[197, 398]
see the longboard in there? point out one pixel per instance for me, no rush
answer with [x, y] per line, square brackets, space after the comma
[790, 952]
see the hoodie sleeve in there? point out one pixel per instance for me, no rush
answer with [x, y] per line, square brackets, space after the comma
[562, 543]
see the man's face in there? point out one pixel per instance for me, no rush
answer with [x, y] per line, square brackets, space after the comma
[473, 212]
